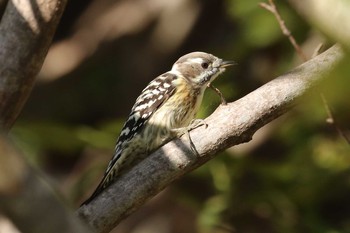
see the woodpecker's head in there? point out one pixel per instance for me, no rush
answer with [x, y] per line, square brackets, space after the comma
[200, 68]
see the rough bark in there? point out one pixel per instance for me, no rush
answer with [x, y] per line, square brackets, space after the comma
[229, 125]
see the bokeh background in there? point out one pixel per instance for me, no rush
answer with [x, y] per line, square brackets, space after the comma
[294, 176]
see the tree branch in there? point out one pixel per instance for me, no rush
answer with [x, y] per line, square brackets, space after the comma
[314, 11]
[28, 200]
[26, 31]
[273, 9]
[229, 125]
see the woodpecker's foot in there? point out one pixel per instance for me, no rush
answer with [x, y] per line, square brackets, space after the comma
[223, 101]
[195, 123]
[192, 146]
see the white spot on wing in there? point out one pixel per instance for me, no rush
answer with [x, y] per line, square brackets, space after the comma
[136, 116]
[140, 107]
[149, 104]
[126, 131]
[146, 114]
[118, 145]
[155, 92]
[154, 83]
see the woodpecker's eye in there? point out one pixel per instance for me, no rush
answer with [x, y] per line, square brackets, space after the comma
[205, 65]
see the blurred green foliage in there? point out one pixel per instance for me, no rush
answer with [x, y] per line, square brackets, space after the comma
[296, 179]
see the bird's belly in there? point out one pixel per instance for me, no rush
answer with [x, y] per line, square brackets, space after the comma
[177, 112]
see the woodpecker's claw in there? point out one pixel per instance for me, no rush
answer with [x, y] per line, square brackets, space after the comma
[195, 123]
[223, 101]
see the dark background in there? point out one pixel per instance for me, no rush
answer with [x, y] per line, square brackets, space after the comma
[293, 176]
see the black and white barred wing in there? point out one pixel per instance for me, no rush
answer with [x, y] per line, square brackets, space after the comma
[150, 100]
[152, 97]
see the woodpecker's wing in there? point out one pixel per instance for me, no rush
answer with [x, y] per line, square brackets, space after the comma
[152, 97]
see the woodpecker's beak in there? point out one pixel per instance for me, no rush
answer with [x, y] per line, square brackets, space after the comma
[227, 63]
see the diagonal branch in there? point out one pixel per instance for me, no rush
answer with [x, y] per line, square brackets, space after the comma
[28, 200]
[26, 31]
[229, 125]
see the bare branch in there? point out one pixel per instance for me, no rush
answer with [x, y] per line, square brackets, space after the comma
[273, 9]
[331, 120]
[313, 10]
[229, 125]
[26, 31]
[28, 200]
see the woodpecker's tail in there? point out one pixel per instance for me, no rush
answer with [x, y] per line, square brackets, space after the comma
[107, 178]
[97, 191]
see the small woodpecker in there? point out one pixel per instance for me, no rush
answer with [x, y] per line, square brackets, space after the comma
[165, 108]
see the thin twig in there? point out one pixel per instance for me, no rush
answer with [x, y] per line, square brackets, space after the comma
[331, 120]
[273, 9]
